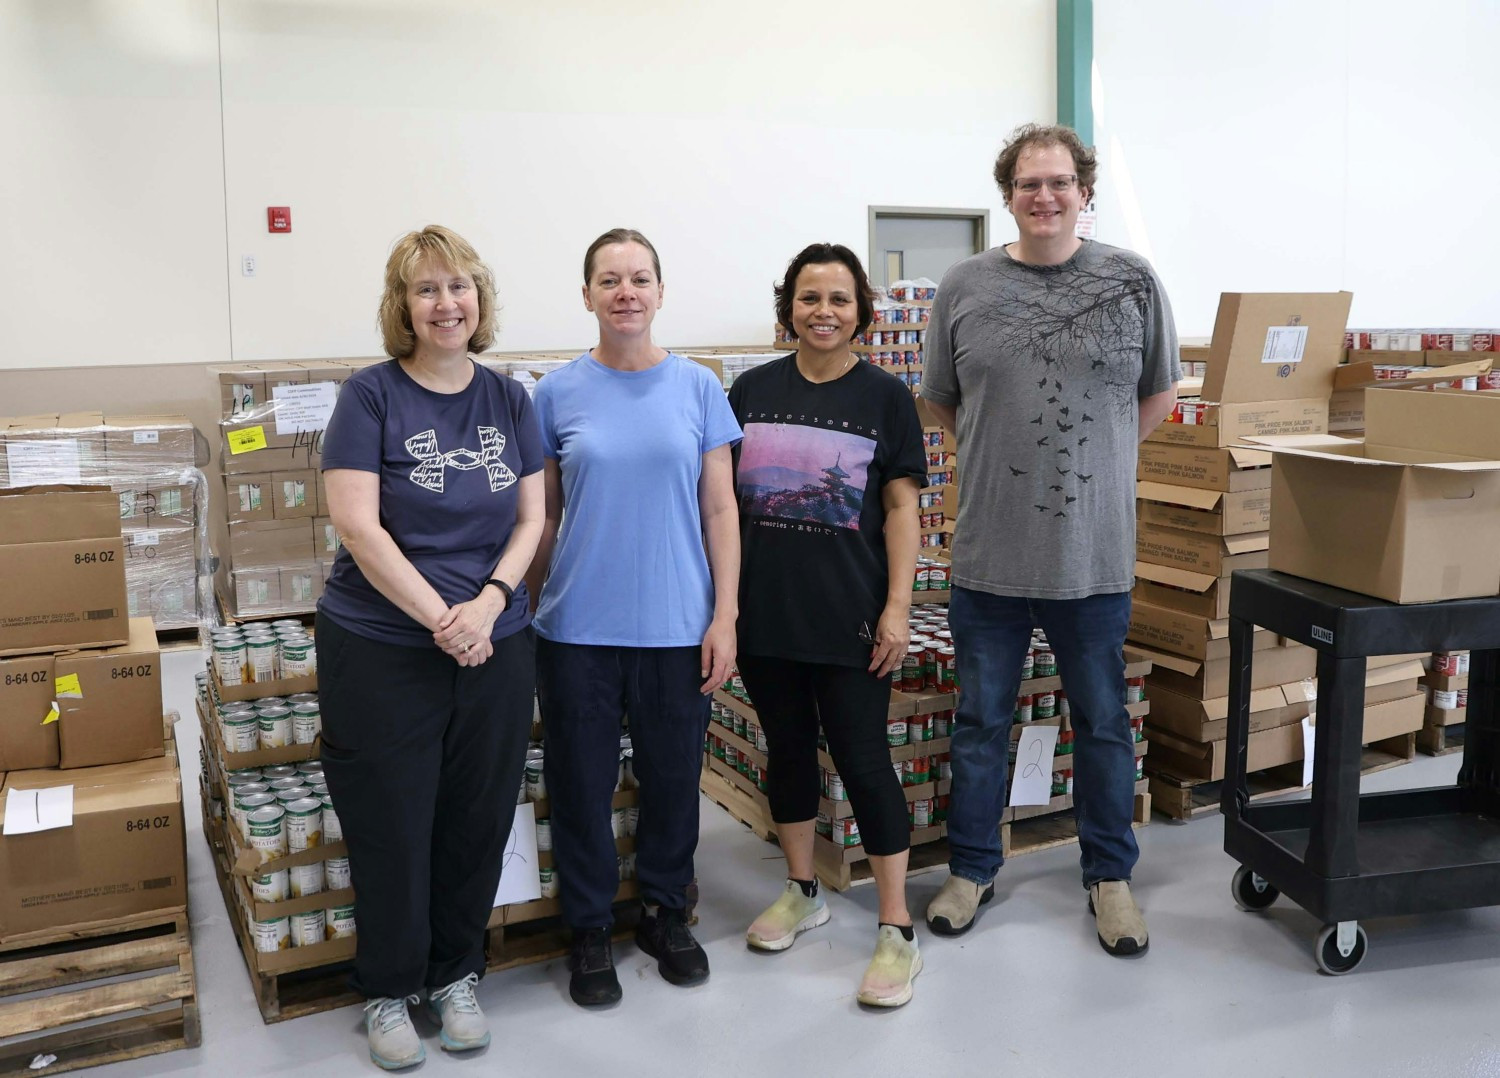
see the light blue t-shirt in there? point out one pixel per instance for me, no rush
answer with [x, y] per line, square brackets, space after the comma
[629, 568]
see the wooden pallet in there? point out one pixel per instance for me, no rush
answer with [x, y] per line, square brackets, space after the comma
[1060, 828]
[1188, 799]
[544, 940]
[1440, 740]
[75, 975]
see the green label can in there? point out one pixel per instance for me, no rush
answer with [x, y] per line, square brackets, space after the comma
[336, 873]
[549, 881]
[275, 727]
[272, 887]
[260, 659]
[306, 879]
[307, 928]
[338, 922]
[229, 660]
[241, 730]
[297, 656]
[333, 831]
[272, 935]
[304, 824]
[307, 724]
[536, 780]
[267, 827]
[246, 803]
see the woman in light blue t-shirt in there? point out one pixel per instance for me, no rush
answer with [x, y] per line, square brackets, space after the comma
[640, 557]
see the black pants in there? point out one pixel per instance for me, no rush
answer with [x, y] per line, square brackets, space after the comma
[585, 691]
[423, 759]
[792, 699]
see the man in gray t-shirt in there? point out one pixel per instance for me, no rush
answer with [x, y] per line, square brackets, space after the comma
[1050, 358]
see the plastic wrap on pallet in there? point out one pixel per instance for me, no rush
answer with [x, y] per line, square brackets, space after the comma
[153, 464]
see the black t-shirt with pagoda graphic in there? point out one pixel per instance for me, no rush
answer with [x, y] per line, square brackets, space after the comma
[809, 476]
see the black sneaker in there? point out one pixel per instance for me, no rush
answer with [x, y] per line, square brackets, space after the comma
[592, 961]
[665, 937]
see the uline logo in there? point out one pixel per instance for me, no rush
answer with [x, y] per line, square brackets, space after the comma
[1322, 635]
[434, 464]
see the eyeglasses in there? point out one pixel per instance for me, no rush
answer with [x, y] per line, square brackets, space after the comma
[1058, 185]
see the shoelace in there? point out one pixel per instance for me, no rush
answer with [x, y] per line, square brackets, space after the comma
[390, 1012]
[459, 995]
[678, 936]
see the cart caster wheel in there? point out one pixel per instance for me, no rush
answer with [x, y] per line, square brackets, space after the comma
[1330, 959]
[1251, 893]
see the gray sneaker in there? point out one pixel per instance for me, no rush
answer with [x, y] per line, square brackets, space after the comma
[393, 1040]
[455, 1008]
[953, 911]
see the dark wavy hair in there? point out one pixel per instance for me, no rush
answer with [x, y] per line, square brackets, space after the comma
[1029, 136]
[816, 254]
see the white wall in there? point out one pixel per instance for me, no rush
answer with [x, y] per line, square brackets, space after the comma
[1279, 145]
[1305, 145]
[731, 135]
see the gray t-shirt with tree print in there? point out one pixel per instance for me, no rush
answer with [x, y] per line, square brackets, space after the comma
[1046, 366]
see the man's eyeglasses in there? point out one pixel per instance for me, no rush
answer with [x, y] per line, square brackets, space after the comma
[1058, 185]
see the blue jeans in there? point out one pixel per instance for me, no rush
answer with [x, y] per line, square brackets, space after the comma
[990, 634]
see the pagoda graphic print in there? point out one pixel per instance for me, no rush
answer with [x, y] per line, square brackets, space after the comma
[802, 473]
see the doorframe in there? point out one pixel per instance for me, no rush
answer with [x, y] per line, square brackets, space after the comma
[979, 218]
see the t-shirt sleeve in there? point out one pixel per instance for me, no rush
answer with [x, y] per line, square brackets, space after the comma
[546, 418]
[939, 380]
[908, 457]
[528, 430]
[1161, 361]
[353, 438]
[719, 424]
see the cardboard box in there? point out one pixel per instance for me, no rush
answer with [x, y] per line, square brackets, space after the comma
[301, 586]
[1211, 555]
[256, 591]
[271, 544]
[1209, 512]
[123, 853]
[47, 449]
[1439, 520]
[1270, 368]
[27, 739]
[1178, 589]
[160, 552]
[249, 443]
[62, 569]
[1460, 424]
[1346, 411]
[112, 713]
[294, 495]
[242, 387]
[1205, 679]
[1364, 375]
[140, 445]
[1187, 634]
[1234, 469]
[1276, 746]
[156, 505]
[325, 538]
[249, 497]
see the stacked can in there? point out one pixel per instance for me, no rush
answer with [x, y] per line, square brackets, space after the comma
[228, 654]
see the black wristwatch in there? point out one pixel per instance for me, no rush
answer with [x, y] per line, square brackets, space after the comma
[505, 590]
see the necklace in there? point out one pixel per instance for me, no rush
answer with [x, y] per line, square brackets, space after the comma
[848, 362]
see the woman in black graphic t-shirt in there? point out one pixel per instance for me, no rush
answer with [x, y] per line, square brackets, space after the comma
[426, 657]
[827, 479]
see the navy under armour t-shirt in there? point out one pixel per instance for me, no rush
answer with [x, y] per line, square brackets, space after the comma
[449, 464]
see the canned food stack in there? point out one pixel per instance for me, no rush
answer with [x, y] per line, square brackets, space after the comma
[937, 504]
[277, 543]
[1446, 683]
[150, 463]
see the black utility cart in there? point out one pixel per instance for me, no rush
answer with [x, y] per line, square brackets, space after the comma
[1340, 856]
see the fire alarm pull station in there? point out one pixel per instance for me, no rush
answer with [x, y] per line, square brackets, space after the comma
[278, 218]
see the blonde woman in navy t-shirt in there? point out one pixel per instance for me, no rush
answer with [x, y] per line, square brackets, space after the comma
[426, 656]
[635, 617]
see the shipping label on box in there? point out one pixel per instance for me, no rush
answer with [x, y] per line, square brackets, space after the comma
[28, 718]
[120, 852]
[1276, 346]
[1233, 469]
[111, 701]
[251, 444]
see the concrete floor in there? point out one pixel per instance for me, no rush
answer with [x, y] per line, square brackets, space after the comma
[1028, 991]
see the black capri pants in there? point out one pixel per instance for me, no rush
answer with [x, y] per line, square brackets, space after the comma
[792, 699]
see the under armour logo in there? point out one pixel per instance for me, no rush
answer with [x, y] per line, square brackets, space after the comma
[429, 473]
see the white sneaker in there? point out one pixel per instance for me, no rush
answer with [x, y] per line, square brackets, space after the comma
[456, 1009]
[897, 961]
[393, 1040]
[779, 924]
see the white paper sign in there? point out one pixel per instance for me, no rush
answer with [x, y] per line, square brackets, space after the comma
[519, 880]
[38, 810]
[527, 382]
[1087, 225]
[1309, 740]
[305, 407]
[1032, 784]
[1284, 344]
[43, 462]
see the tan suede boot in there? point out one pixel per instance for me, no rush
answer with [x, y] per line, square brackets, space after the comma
[1122, 929]
[952, 912]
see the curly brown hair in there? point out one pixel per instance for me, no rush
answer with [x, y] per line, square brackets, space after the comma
[1029, 136]
[818, 254]
[450, 250]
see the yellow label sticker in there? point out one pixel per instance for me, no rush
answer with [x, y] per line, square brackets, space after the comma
[247, 440]
[67, 685]
[52, 715]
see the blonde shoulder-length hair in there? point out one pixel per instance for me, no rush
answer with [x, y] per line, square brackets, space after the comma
[449, 249]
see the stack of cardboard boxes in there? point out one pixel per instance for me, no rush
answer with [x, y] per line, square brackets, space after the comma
[1204, 511]
[92, 793]
[151, 463]
[278, 543]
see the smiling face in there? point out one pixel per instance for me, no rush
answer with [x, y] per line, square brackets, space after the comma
[1045, 216]
[825, 308]
[623, 291]
[444, 309]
